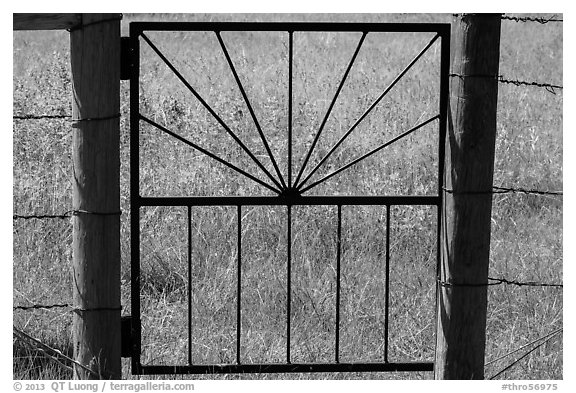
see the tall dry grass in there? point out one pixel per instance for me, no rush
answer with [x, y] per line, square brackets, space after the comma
[526, 230]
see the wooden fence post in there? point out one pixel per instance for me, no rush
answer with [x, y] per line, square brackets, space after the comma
[465, 233]
[95, 59]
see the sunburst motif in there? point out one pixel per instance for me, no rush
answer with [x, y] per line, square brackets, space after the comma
[277, 182]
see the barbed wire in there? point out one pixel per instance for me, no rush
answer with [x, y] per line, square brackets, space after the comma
[523, 346]
[41, 216]
[39, 117]
[550, 337]
[500, 78]
[540, 20]
[50, 352]
[500, 281]
[34, 346]
[64, 215]
[64, 305]
[75, 123]
[41, 306]
[504, 190]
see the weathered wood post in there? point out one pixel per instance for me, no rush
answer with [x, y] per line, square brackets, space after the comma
[95, 58]
[465, 242]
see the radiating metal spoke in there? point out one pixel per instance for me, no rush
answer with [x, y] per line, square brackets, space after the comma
[330, 108]
[343, 138]
[212, 112]
[262, 136]
[369, 154]
[209, 154]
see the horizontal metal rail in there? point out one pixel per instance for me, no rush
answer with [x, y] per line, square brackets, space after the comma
[137, 27]
[326, 200]
[287, 368]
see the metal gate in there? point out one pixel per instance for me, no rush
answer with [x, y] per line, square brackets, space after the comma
[287, 190]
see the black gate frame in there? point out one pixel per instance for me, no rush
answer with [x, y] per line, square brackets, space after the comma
[288, 196]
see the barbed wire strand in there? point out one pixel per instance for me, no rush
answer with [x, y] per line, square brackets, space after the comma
[499, 281]
[66, 117]
[542, 21]
[64, 215]
[65, 305]
[44, 353]
[495, 190]
[41, 306]
[523, 284]
[41, 216]
[521, 357]
[40, 117]
[548, 86]
[524, 346]
[504, 190]
[49, 350]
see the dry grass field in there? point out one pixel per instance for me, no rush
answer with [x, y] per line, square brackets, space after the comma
[526, 229]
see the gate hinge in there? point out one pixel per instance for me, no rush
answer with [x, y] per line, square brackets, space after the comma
[126, 336]
[125, 58]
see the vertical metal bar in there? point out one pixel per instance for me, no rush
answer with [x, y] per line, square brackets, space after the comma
[387, 305]
[289, 283]
[135, 198]
[189, 285]
[239, 284]
[290, 61]
[338, 258]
